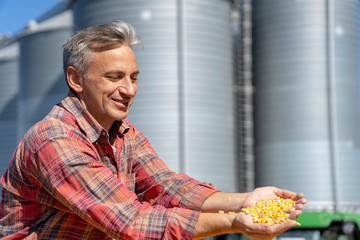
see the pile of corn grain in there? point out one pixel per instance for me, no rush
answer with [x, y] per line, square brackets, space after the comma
[272, 212]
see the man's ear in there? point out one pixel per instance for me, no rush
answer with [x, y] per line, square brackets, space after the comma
[74, 79]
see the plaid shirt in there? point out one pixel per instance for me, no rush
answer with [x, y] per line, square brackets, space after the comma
[65, 181]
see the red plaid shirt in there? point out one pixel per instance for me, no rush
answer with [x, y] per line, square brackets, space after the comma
[65, 181]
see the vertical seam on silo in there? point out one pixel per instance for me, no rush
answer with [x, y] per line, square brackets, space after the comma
[332, 98]
[181, 83]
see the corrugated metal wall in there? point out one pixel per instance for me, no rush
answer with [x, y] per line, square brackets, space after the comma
[42, 79]
[345, 65]
[185, 99]
[306, 99]
[9, 79]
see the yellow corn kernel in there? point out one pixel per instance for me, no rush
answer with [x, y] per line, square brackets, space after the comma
[272, 212]
[222, 212]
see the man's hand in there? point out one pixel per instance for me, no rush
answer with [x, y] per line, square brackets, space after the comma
[244, 224]
[212, 223]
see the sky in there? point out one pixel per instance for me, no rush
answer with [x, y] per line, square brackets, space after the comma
[15, 14]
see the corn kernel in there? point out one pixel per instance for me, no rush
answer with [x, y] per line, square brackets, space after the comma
[272, 212]
[222, 212]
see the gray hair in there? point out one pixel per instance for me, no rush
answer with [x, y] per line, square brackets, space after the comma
[78, 49]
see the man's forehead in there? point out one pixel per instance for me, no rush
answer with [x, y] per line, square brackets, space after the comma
[100, 47]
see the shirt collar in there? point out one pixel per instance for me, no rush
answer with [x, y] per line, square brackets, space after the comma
[87, 122]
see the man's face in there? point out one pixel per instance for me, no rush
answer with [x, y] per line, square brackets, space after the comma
[111, 84]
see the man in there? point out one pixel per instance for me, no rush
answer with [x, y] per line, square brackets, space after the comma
[85, 172]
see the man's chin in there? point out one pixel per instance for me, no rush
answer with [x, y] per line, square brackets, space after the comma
[122, 117]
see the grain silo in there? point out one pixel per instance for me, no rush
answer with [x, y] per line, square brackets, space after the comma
[307, 100]
[42, 81]
[9, 79]
[184, 103]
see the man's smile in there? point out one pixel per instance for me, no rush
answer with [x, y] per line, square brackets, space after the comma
[121, 103]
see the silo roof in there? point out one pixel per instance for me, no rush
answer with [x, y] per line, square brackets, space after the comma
[61, 20]
[60, 16]
[10, 51]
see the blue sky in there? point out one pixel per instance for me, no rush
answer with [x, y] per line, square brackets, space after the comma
[15, 14]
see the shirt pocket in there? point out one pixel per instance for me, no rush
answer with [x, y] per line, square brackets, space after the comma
[129, 181]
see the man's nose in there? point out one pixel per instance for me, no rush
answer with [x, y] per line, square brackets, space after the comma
[128, 87]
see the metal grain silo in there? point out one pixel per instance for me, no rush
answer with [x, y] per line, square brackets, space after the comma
[307, 104]
[42, 81]
[9, 79]
[185, 100]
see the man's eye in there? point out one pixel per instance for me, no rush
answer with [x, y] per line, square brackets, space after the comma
[114, 77]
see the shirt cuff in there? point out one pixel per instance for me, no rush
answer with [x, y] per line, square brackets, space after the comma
[196, 196]
[181, 224]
